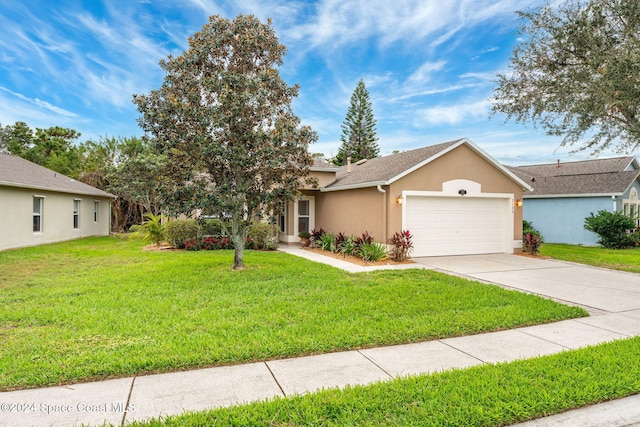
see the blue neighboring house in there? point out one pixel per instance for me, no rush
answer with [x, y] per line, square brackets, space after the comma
[564, 194]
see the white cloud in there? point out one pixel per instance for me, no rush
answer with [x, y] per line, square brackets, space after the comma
[452, 114]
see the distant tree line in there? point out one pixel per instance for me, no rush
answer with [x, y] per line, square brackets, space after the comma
[128, 168]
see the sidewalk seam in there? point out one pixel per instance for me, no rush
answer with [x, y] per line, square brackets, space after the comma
[275, 379]
[126, 406]
[376, 365]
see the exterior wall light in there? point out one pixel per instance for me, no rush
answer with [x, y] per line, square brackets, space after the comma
[462, 192]
[399, 200]
[519, 203]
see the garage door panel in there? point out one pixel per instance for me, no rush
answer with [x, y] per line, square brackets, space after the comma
[456, 226]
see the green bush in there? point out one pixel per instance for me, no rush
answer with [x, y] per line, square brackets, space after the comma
[613, 229]
[373, 251]
[179, 231]
[327, 242]
[151, 230]
[210, 227]
[264, 236]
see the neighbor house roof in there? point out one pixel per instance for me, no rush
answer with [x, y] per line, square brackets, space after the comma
[611, 176]
[18, 172]
[388, 169]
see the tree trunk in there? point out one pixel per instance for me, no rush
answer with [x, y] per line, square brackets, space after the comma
[238, 256]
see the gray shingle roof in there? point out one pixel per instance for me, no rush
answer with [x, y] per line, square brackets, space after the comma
[382, 169]
[601, 176]
[18, 172]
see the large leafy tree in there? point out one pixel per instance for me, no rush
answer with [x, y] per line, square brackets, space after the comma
[223, 118]
[359, 140]
[577, 74]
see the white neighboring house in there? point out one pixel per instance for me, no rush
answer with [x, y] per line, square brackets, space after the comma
[38, 205]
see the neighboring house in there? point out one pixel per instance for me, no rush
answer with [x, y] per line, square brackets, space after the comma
[38, 205]
[564, 194]
[454, 198]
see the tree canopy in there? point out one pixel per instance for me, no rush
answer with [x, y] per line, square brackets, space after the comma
[358, 138]
[577, 74]
[55, 148]
[223, 119]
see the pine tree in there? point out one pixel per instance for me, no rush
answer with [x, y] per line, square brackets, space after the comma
[358, 138]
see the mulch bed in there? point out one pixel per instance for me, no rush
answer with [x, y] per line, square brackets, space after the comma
[355, 259]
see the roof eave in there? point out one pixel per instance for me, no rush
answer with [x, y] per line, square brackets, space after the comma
[575, 195]
[354, 186]
[475, 148]
[55, 190]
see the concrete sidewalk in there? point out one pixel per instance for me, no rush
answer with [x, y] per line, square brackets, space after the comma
[124, 400]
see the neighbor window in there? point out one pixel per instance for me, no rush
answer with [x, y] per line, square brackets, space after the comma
[76, 214]
[303, 215]
[37, 214]
[96, 209]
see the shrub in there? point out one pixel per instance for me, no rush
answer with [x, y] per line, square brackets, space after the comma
[151, 230]
[263, 236]
[402, 245]
[180, 231]
[346, 245]
[373, 251]
[613, 229]
[316, 235]
[531, 238]
[192, 245]
[327, 242]
[210, 227]
[364, 239]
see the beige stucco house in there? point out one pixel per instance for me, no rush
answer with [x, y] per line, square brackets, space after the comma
[38, 205]
[453, 197]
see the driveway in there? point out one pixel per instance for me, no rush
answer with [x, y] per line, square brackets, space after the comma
[595, 289]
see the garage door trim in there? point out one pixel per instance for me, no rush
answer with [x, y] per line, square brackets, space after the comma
[471, 191]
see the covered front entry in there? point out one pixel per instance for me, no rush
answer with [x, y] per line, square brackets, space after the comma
[458, 225]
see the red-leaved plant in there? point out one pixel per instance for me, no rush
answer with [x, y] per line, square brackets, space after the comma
[402, 245]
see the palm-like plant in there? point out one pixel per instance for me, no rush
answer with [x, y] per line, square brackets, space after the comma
[151, 230]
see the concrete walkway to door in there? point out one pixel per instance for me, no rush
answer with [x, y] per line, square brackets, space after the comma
[598, 290]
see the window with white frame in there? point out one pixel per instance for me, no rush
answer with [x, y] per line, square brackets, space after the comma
[304, 218]
[38, 203]
[631, 206]
[96, 209]
[76, 214]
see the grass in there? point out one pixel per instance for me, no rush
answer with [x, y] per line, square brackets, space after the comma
[487, 395]
[101, 307]
[618, 259]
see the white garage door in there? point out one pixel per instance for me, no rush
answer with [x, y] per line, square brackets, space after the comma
[457, 225]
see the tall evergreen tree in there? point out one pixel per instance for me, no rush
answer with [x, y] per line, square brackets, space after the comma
[359, 140]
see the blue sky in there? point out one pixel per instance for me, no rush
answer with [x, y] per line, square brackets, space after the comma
[429, 66]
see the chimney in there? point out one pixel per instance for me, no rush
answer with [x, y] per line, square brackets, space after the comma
[558, 162]
[348, 164]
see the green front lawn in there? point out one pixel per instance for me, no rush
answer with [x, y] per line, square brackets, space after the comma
[101, 307]
[486, 395]
[618, 259]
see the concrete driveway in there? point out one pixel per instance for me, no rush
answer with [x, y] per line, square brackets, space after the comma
[595, 289]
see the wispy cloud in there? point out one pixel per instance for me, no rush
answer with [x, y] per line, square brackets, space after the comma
[40, 103]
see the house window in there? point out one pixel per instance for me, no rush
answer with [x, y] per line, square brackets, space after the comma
[76, 214]
[303, 215]
[37, 214]
[96, 209]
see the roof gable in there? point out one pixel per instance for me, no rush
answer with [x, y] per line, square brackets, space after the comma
[388, 169]
[18, 172]
[611, 176]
